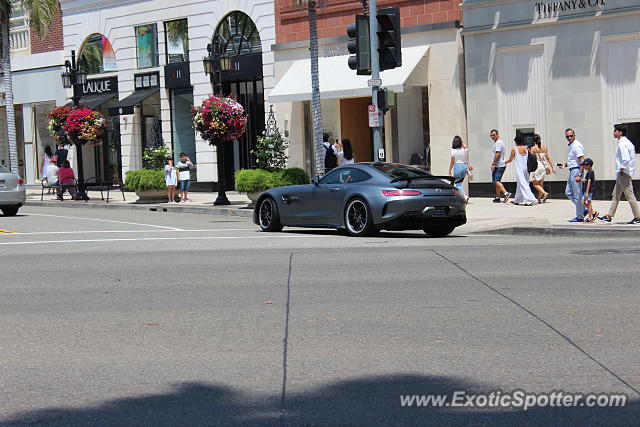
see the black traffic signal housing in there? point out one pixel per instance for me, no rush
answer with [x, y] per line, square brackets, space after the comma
[382, 100]
[389, 46]
[359, 45]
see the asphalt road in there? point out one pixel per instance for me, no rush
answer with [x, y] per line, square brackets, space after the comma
[145, 318]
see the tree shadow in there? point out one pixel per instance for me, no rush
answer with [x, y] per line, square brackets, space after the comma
[369, 401]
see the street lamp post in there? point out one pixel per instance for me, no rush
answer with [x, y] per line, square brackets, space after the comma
[75, 77]
[212, 67]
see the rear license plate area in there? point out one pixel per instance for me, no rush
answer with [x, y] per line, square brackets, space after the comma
[439, 211]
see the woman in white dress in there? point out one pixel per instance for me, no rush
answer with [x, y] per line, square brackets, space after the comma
[46, 160]
[171, 179]
[521, 155]
[345, 153]
[545, 167]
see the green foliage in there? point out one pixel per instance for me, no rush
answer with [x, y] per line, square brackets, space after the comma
[291, 176]
[155, 157]
[252, 180]
[256, 180]
[41, 14]
[145, 179]
[270, 151]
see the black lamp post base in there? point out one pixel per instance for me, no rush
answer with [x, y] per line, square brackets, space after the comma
[221, 200]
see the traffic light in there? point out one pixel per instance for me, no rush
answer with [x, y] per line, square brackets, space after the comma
[359, 45]
[389, 47]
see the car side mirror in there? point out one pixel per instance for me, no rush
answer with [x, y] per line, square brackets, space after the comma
[316, 180]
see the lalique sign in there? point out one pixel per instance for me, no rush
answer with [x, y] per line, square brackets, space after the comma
[98, 86]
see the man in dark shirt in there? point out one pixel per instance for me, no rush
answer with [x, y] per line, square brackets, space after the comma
[62, 153]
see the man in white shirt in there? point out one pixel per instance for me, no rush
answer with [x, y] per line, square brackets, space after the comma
[52, 171]
[625, 166]
[575, 156]
[498, 166]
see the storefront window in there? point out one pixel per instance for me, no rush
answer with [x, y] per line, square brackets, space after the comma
[147, 45]
[177, 41]
[97, 55]
[181, 123]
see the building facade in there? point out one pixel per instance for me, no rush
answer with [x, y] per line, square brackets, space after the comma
[544, 66]
[429, 87]
[145, 64]
[36, 66]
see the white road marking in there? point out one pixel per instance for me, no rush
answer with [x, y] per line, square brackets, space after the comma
[31, 233]
[106, 220]
[150, 239]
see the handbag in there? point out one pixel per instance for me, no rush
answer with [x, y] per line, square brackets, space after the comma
[532, 162]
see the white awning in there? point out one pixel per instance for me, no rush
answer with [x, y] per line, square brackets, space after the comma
[337, 80]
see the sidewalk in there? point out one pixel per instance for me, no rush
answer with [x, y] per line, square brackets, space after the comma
[483, 216]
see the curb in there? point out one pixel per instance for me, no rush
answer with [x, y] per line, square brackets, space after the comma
[563, 232]
[211, 210]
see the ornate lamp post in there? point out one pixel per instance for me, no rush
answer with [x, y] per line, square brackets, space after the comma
[213, 68]
[75, 77]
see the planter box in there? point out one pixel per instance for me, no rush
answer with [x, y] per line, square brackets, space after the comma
[151, 196]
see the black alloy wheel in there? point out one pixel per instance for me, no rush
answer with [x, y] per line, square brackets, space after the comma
[268, 215]
[438, 230]
[357, 218]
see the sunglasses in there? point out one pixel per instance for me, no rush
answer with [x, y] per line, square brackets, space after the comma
[570, 136]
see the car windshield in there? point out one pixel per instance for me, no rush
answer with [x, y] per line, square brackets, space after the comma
[396, 170]
[4, 170]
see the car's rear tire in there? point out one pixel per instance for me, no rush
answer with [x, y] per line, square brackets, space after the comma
[358, 220]
[10, 210]
[438, 230]
[268, 216]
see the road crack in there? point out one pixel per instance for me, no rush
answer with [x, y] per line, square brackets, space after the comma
[541, 320]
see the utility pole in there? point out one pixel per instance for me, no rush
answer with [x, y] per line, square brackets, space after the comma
[378, 149]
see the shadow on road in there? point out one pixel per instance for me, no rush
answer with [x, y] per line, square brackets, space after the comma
[362, 401]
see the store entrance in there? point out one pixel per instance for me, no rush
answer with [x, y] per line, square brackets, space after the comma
[354, 125]
[238, 153]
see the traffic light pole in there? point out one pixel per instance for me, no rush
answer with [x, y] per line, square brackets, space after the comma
[375, 74]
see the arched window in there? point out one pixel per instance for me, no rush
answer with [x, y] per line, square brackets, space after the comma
[237, 35]
[97, 55]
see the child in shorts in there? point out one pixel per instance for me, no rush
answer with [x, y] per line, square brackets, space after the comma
[588, 188]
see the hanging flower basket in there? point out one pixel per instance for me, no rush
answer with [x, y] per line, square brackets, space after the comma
[57, 119]
[219, 119]
[84, 126]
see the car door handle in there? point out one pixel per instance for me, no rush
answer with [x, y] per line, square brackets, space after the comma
[334, 189]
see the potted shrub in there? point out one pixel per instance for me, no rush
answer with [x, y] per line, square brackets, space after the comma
[255, 181]
[149, 184]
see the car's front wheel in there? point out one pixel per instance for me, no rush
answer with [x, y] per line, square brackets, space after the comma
[357, 218]
[268, 216]
[10, 210]
[438, 230]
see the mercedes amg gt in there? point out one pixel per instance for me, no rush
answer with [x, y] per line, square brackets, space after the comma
[364, 198]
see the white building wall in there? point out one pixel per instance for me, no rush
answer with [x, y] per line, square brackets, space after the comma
[577, 90]
[116, 20]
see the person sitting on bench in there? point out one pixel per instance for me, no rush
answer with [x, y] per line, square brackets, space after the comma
[52, 173]
[67, 180]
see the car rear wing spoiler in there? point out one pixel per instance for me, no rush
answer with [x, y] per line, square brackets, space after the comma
[451, 179]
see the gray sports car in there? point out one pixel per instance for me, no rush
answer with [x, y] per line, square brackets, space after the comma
[364, 198]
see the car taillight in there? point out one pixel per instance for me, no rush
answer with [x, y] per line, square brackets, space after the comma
[392, 193]
[20, 181]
